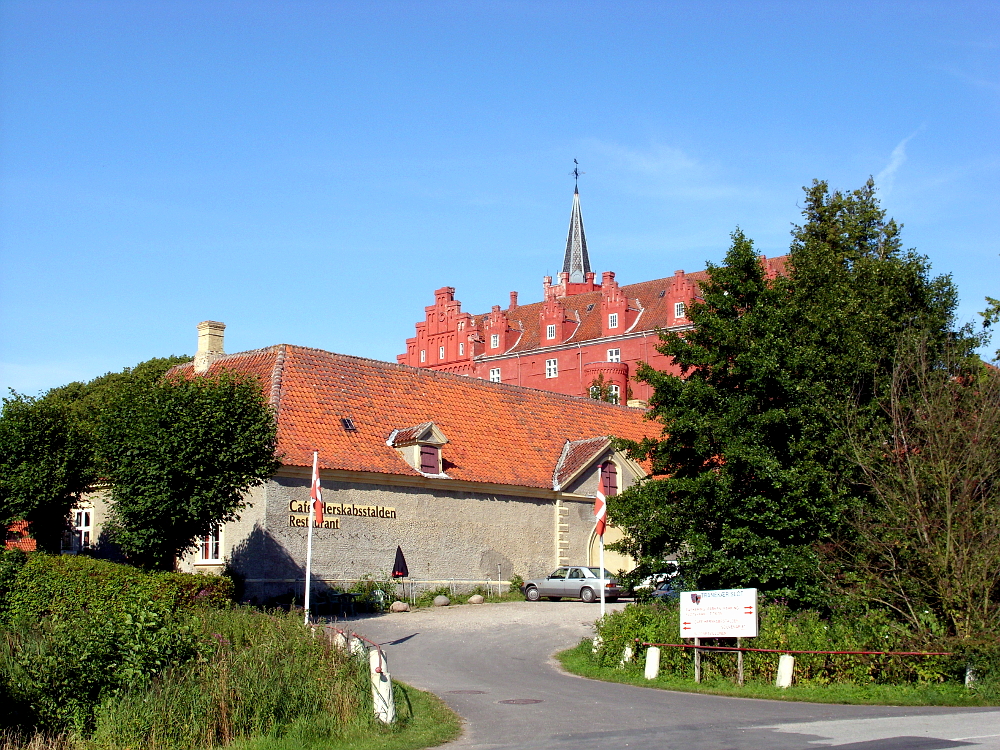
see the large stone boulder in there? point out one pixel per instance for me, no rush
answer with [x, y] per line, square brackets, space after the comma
[441, 601]
[399, 607]
[476, 599]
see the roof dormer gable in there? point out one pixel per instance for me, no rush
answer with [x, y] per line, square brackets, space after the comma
[420, 447]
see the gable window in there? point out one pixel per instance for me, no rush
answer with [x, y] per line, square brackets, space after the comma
[609, 479]
[550, 331]
[613, 320]
[461, 349]
[551, 368]
[430, 459]
[495, 341]
[423, 355]
[679, 310]
[210, 547]
[614, 355]
[440, 352]
[495, 375]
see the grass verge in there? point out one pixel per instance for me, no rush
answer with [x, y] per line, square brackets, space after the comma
[423, 720]
[579, 661]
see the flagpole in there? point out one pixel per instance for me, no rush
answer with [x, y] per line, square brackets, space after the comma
[602, 574]
[309, 543]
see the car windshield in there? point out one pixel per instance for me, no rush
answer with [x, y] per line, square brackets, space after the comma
[596, 572]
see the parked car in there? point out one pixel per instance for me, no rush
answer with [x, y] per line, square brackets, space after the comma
[666, 590]
[573, 582]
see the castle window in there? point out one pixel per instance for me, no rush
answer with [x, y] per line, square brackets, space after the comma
[461, 349]
[495, 375]
[423, 355]
[495, 341]
[550, 332]
[430, 456]
[679, 310]
[614, 355]
[552, 368]
[440, 352]
[210, 547]
[615, 394]
[613, 320]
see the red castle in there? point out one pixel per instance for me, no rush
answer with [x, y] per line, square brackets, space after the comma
[581, 331]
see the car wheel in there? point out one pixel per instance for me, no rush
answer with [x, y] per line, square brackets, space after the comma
[587, 595]
[554, 598]
[531, 594]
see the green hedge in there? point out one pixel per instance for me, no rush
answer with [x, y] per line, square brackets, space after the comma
[64, 585]
[782, 628]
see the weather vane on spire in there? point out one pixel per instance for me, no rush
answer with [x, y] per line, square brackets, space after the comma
[576, 173]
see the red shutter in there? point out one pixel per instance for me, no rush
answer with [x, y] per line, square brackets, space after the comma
[429, 459]
[609, 479]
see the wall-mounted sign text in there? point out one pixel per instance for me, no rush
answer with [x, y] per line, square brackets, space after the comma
[301, 521]
[729, 613]
[298, 508]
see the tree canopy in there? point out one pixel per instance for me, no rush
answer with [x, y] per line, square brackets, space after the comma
[751, 462]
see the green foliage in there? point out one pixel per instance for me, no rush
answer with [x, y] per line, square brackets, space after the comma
[516, 582]
[992, 315]
[376, 593]
[601, 390]
[848, 629]
[180, 455]
[11, 562]
[46, 461]
[755, 474]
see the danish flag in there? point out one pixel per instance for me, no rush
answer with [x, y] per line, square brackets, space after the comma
[601, 511]
[316, 493]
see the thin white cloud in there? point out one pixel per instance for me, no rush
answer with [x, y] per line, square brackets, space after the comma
[887, 177]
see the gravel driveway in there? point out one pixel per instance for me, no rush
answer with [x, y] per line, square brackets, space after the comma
[477, 658]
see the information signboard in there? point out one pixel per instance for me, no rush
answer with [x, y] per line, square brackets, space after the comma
[729, 613]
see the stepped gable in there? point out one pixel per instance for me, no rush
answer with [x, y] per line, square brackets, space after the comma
[496, 433]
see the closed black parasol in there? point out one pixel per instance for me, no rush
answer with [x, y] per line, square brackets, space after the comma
[399, 569]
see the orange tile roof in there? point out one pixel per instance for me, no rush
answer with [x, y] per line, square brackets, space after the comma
[644, 296]
[576, 455]
[496, 433]
[17, 536]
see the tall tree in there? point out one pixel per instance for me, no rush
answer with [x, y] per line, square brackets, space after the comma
[46, 461]
[180, 456]
[753, 426]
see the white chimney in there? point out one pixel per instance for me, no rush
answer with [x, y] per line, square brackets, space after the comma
[210, 336]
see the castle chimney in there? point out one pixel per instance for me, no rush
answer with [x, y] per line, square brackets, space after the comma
[513, 301]
[210, 335]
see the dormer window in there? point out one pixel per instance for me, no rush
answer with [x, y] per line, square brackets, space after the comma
[613, 320]
[420, 447]
[550, 331]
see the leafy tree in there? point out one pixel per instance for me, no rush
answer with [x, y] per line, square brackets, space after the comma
[180, 454]
[754, 474]
[928, 546]
[601, 390]
[46, 461]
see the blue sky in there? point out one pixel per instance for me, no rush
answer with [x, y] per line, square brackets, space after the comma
[309, 172]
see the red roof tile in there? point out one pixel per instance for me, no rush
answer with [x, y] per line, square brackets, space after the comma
[497, 433]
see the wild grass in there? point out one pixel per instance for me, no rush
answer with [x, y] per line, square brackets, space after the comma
[580, 661]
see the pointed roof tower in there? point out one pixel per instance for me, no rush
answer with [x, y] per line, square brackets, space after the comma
[576, 262]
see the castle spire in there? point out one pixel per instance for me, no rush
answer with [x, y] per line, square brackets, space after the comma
[576, 262]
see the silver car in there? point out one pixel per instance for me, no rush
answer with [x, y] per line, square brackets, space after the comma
[574, 582]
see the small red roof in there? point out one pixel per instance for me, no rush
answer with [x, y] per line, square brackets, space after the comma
[497, 433]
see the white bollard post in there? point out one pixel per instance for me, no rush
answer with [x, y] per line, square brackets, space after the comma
[652, 662]
[385, 706]
[786, 665]
[626, 657]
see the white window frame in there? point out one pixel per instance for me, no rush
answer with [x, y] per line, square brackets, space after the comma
[680, 310]
[440, 352]
[616, 392]
[209, 545]
[612, 320]
[83, 527]
[614, 355]
[495, 341]
[552, 368]
[423, 355]
[550, 331]
[495, 375]
[461, 349]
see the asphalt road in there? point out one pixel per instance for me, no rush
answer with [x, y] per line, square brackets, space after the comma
[478, 657]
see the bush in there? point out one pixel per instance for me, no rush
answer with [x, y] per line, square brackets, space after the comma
[376, 593]
[516, 582]
[782, 628]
